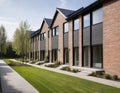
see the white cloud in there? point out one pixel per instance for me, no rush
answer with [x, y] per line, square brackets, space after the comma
[63, 3]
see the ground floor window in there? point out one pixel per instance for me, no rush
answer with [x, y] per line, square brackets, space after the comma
[42, 55]
[54, 55]
[86, 53]
[97, 56]
[66, 56]
[92, 56]
[76, 56]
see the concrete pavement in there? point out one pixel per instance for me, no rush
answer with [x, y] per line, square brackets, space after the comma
[12, 82]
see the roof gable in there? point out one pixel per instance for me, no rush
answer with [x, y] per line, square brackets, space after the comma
[47, 21]
[63, 12]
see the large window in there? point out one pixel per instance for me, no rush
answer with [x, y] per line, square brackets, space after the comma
[86, 51]
[76, 56]
[42, 36]
[97, 16]
[66, 56]
[65, 27]
[42, 55]
[54, 55]
[76, 24]
[97, 56]
[86, 21]
[55, 31]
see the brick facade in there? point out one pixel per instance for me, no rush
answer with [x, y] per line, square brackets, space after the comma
[111, 37]
[59, 20]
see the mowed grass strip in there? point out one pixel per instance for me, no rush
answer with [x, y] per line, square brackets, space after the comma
[51, 82]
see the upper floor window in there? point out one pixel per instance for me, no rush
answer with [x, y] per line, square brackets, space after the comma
[76, 24]
[48, 34]
[65, 27]
[55, 31]
[43, 36]
[86, 20]
[97, 16]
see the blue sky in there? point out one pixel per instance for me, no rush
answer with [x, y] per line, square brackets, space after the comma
[12, 12]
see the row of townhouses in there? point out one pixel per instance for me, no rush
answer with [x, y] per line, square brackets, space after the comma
[88, 37]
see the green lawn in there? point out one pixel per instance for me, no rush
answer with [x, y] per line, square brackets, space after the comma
[50, 82]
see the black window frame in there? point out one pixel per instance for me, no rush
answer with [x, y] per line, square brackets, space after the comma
[93, 16]
[42, 36]
[89, 20]
[74, 24]
[55, 29]
[64, 28]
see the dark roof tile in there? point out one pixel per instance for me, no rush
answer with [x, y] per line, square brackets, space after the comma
[66, 12]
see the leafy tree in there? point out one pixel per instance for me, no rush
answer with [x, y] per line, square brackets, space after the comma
[3, 38]
[21, 40]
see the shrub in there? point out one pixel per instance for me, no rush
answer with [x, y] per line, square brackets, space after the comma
[52, 65]
[93, 74]
[67, 68]
[115, 77]
[12, 63]
[107, 76]
[33, 62]
[98, 74]
[75, 70]
[40, 63]
[57, 62]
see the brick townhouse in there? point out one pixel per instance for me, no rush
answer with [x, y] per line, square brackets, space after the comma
[88, 37]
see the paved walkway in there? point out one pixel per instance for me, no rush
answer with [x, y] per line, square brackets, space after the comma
[81, 75]
[12, 82]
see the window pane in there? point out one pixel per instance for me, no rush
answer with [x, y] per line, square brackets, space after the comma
[98, 16]
[40, 36]
[65, 27]
[97, 56]
[44, 35]
[76, 24]
[86, 21]
[53, 32]
[56, 30]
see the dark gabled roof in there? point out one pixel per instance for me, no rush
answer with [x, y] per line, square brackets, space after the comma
[34, 33]
[64, 12]
[48, 21]
[81, 11]
[75, 13]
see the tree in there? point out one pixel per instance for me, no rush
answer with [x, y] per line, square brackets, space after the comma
[21, 40]
[3, 38]
[9, 51]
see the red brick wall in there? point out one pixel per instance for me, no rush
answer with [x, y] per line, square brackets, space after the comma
[70, 43]
[59, 20]
[111, 37]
